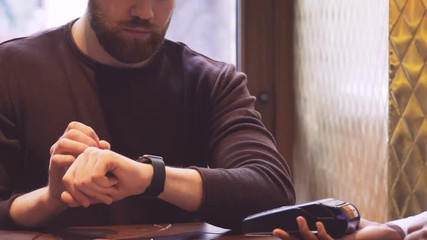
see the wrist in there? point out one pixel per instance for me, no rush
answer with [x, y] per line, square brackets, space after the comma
[395, 231]
[54, 203]
[34, 208]
[157, 183]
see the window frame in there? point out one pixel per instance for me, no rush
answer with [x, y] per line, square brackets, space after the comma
[265, 54]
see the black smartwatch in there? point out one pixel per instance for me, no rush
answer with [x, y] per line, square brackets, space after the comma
[159, 175]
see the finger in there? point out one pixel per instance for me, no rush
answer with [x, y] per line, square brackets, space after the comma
[71, 202]
[59, 161]
[79, 136]
[84, 187]
[321, 232]
[84, 167]
[305, 232]
[88, 131]
[104, 145]
[72, 125]
[419, 231]
[96, 193]
[52, 148]
[415, 227]
[281, 234]
[70, 185]
[102, 170]
[68, 146]
[80, 197]
[101, 174]
[105, 181]
[417, 235]
[85, 178]
[80, 133]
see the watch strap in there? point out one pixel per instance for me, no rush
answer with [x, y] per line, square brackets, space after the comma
[157, 184]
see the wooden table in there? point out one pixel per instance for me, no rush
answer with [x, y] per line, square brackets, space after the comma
[181, 231]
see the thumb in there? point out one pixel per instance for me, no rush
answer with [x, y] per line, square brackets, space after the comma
[68, 199]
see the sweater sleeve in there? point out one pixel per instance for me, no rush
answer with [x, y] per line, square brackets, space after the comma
[406, 223]
[9, 157]
[246, 172]
[8, 170]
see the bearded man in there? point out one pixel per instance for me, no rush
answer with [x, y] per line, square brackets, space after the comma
[104, 121]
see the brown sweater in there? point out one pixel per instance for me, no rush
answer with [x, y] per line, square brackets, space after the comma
[192, 110]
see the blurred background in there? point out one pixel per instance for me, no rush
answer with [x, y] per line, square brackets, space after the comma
[342, 85]
[212, 21]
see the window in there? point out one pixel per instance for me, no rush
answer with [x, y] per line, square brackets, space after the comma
[206, 26]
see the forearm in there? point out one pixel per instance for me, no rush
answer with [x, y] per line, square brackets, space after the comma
[251, 190]
[34, 208]
[183, 188]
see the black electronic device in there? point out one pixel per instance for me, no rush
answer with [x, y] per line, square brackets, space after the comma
[338, 217]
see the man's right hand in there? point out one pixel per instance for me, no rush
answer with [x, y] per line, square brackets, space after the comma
[34, 208]
[74, 141]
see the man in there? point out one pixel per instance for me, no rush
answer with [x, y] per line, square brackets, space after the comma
[120, 91]
[411, 228]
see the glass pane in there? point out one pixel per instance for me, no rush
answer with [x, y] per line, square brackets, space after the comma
[20, 17]
[206, 26]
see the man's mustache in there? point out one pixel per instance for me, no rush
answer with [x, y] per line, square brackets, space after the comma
[137, 22]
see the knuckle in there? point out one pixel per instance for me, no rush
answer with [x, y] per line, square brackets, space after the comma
[90, 150]
[72, 125]
[52, 148]
[95, 177]
[81, 184]
[72, 133]
[66, 180]
[61, 143]
[90, 130]
[55, 160]
[104, 153]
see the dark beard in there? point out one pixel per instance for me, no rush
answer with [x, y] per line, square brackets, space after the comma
[125, 50]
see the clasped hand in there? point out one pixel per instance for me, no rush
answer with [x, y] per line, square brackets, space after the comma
[84, 171]
[99, 175]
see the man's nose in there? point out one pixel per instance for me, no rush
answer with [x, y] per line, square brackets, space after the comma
[142, 9]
